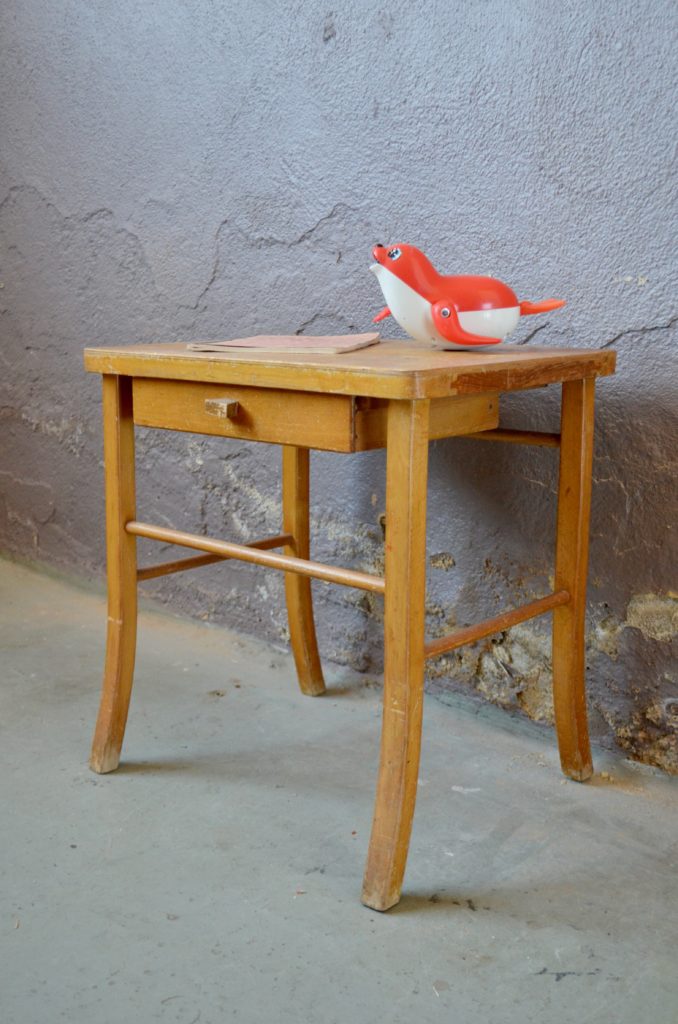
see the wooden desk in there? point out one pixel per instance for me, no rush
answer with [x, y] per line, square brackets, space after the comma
[397, 395]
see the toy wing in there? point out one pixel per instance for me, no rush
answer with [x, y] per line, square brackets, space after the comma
[447, 323]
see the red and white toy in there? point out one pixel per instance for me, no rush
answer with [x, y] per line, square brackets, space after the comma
[451, 311]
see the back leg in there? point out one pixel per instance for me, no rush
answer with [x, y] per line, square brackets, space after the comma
[572, 545]
[295, 502]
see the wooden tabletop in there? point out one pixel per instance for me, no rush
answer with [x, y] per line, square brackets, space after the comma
[392, 369]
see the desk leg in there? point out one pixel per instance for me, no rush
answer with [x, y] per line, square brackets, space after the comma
[405, 570]
[295, 502]
[574, 503]
[121, 564]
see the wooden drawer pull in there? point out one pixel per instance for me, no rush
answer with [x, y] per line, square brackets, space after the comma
[224, 408]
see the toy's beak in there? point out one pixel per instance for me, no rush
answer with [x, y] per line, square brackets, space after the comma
[375, 252]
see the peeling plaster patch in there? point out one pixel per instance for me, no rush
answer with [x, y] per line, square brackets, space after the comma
[270, 508]
[512, 670]
[640, 279]
[649, 736]
[329, 28]
[604, 637]
[69, 431]
[516, 670]
[443, 560]
[656, 616]
[386, 23]
[28, 502]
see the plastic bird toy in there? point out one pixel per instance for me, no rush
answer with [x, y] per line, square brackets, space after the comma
[454, 311]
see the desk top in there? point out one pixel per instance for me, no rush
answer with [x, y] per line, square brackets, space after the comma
[392, 369]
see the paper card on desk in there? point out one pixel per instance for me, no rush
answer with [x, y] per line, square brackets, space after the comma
[331, 344]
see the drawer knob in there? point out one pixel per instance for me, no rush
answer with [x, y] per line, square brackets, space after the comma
[224, 408]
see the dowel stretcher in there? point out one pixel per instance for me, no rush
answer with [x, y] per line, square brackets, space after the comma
[151, 572]
[469, 634]
[531, 437]
[287, 563]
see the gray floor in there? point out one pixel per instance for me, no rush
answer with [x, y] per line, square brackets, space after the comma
[216, 875]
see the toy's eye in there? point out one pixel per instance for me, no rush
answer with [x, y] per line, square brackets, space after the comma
[393, 254]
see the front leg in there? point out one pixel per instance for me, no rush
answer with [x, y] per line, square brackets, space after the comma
[121, 566]
[405, 570]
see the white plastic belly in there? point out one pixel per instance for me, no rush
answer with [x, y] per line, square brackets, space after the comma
[413, 314]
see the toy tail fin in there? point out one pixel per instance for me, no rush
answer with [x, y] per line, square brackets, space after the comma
[381, 316]
[528, 308]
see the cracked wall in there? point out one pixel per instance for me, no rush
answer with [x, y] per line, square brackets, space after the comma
[173, 172]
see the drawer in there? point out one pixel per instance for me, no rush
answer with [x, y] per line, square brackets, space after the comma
[303, 418]
[308, 419]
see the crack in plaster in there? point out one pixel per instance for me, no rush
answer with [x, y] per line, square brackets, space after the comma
[268, 241]
[28, 503]
[531, 335]
[103, 212]
[307, 323]
[640, 330]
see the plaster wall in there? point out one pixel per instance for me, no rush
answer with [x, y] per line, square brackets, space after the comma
[202, 169]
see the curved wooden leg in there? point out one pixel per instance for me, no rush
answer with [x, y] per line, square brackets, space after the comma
[122, 574]
[406, 475]
[295, 501]
[574, 503]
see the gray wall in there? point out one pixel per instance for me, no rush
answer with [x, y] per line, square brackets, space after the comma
[198, 169]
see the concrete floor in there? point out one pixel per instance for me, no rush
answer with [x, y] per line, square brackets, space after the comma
[216, 875]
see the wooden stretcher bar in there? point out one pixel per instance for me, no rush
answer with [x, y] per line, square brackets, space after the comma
[469, 634]
[287, 563]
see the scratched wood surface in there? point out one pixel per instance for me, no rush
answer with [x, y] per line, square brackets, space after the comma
[392, 369]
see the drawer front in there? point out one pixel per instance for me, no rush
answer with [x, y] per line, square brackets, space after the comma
[448, 417]
[302, 418]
